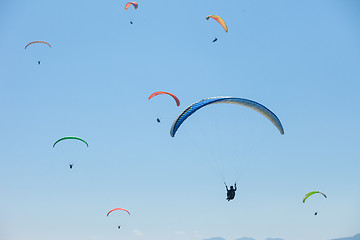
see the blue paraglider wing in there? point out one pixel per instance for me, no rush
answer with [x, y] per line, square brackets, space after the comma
[240, 101]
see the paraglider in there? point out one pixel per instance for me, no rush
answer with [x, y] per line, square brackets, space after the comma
[239, 101]
[127, 5]
[310, 194]
[118, 209]
[220, 21]
[42, 42]
[70, 138]
[230, 192]
[161, 92]
[177, 101]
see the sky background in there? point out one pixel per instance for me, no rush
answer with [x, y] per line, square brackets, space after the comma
[298, 58]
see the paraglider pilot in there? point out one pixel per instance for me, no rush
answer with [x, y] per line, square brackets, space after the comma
[230, 192]
[70, 165]
[158, 120]
[39, 62]
[215, 40]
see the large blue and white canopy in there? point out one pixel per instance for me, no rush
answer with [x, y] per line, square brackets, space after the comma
[240, 101]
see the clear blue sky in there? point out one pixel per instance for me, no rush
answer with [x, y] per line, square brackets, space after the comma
[299, 58]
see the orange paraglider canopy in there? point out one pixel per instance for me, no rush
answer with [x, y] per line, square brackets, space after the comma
[37, 42]
[219, 20]
[117, 209]
[160, 92]
[135, 4]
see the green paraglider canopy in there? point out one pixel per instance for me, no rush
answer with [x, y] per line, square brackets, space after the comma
[74, 138]
[312, 193]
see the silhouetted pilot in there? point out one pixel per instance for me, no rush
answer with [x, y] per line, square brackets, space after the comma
[230, 192]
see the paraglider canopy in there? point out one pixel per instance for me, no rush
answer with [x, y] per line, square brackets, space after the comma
[116, 209]
[219, 20]
[74, 138]
[233, 100]
[37, 42]
[312, 193]
[161, 92]
[135, 4]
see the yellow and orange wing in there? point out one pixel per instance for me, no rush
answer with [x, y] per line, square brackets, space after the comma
[219, 20]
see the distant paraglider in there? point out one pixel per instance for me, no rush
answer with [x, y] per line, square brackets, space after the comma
[177, 101]
[41, 42]
[310, 194]
[220, 21]
[118, 209]
[127, 5]
[239, 101]
[70, 138]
